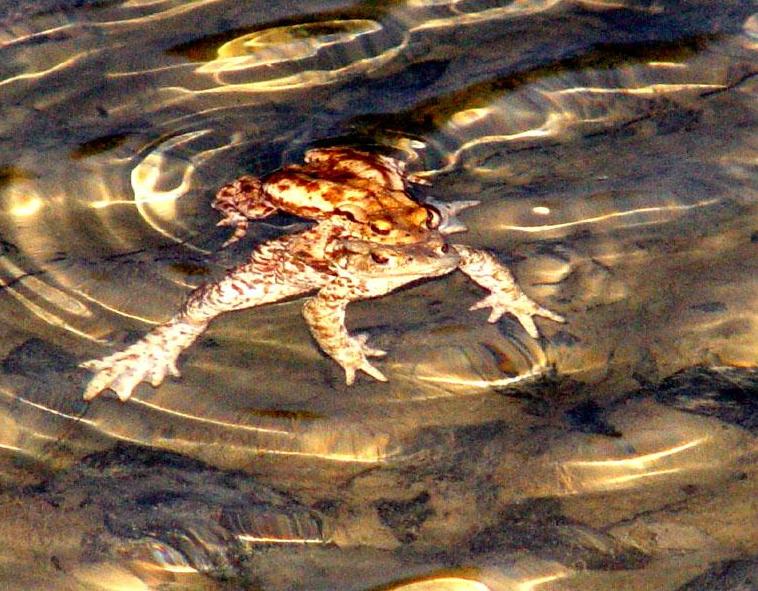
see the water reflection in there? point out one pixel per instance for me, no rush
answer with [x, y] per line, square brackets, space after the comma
[612, 147]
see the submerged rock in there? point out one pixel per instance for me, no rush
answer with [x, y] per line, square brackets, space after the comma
[184, 509]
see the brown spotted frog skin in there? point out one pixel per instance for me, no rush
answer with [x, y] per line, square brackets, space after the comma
[370, 239]
[367, 189]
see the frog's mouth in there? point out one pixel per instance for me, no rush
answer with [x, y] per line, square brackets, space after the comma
[448, 212]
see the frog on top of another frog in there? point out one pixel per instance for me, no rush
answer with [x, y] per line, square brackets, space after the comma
[370, 238]
[367, 189]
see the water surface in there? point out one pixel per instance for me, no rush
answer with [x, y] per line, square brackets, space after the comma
[613, 147]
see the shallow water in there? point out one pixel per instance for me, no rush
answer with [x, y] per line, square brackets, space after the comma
[613, 147]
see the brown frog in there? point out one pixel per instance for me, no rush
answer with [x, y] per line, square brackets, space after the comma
[367, 189]
[370, 238]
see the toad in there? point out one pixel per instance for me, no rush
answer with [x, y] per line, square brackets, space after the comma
[369, 239]
[367, 189]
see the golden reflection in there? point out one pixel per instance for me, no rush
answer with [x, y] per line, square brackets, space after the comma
[650, 89]
[285, 44]
[108, 577]
[170, 12]
[633, 477]
[328, 442]
[603, 4]
[56, 297]
[750, 28]
[152, 557]
[583, 475]
[105, 306]
[11, 447]
[15, 397]
[482, 383]
[532, 584]
[608, 216]
[460, 18]
[640, 462]
[369, 455]
[470, 116]
[257, 55]
[673, 65]
[163, 567]
[224, 424]
[554, 125]
[146, 3]
[157, 206]
[21, 198]
[47, 317]
[307, 79]
[442, 583]
[264, 540]
[23, 205]
[42, 73]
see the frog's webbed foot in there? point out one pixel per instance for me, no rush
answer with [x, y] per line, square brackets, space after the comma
[326, 320]
[241, 200]
[122, 371]
[150, 359]
[505, 294]
[449, 211]
[239, 223]
[354, 359]
[521, 307]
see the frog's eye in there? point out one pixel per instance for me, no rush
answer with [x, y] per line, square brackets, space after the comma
[379, 259]
[382, 227]
[433, 218]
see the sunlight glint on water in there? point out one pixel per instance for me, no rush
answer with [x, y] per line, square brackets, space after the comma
[612, 147]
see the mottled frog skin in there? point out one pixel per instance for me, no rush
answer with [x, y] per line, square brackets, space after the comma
[368, 189]
[370, 239]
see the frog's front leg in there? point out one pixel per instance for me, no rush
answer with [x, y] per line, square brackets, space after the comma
[241, 200]
[325, 315]
[267, 278]
[505, 294]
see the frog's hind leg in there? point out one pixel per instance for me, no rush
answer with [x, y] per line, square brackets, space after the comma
[325, 315]
[271, 275]
[241, 200]
[326, 321]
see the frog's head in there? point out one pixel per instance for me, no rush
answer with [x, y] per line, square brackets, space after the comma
[403, 221]
[415, 224]
[370, 260]
[403, 224]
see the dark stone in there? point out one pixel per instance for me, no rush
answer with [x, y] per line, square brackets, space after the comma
[35, 356]
[730, 575]
[405, 518]
[710, 307]
[196, 509]
[589, 417]
[538, 526]
[730, 394]
[564, 338]
[5, 246]
[328, 507]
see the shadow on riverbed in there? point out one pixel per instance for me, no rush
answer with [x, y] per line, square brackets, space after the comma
[455, 503]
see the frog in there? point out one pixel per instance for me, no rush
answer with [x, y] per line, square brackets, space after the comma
[342, 258]
[369, 189]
